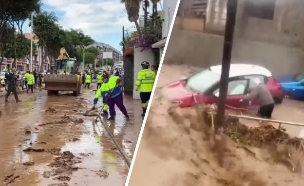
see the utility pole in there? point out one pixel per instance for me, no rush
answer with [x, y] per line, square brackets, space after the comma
[83, 57]
[227, 50]
[32, 37]
[123, 43]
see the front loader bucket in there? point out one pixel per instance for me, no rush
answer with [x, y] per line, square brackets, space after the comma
[56, 82]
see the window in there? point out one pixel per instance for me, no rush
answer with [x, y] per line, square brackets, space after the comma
[235, 87]
[263, 9]
[202, 81]
[251, 80]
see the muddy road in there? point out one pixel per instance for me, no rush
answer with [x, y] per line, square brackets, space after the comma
[46, 141]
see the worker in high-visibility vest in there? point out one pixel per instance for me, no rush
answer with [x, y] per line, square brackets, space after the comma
[88, 80]
[144, 84]
[115, 97]
[30, 82]
[99, 78]
[25, 77]
[101, 93]
[2, 82]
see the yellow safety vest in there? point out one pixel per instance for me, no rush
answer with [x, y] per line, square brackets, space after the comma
[99, 78]
[30, 79]
[88, 79]
[145, 80]
[112, 82]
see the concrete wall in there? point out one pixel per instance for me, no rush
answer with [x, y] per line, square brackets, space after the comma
[199, 49]
[140, 56]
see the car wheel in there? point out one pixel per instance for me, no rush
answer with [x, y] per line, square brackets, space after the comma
[277, 100]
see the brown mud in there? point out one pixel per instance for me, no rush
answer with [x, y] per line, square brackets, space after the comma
[46, 141]
[179, 147]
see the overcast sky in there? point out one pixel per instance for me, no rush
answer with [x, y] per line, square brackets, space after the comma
[101, 19]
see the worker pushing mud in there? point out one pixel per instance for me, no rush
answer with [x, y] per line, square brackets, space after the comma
[101, 93]
[261, 92]
[112, 95]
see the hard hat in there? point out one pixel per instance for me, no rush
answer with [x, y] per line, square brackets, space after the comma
[145, 63]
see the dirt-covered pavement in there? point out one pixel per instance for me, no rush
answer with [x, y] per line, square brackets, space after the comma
[46, 141]
[178, 149]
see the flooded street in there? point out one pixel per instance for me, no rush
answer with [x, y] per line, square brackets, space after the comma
[178, 153]
[46, 141]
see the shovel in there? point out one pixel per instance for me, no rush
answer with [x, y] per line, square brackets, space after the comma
[87, 113]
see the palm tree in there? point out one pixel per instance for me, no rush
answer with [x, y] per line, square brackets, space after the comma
[133, 7]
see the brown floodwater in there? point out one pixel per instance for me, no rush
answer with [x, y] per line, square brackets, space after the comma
[98, 160]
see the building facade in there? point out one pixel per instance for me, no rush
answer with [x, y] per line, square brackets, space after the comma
[24, 63]
[268, 34]
[107, 51]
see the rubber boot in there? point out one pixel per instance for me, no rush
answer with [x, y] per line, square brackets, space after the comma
[111, 118]
[144, 112]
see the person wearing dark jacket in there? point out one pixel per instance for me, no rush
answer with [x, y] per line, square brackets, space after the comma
[264, 97]
[11, 86]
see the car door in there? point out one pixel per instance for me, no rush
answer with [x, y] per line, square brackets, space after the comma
[252, 84]
[237, 90]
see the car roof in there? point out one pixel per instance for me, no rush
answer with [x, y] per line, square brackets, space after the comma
[242, 69]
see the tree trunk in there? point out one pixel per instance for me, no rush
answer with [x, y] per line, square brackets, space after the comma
[15, 49]
[137, 27]
[145, 13]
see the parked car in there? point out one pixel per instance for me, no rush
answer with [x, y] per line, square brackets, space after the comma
[294, 90]
[203, 87]
[291, 78]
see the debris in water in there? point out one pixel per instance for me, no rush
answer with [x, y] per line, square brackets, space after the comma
[28, 163]
[59, 184]
[79, 120]
[31, 149]
[51, 110]
[86, 154]
[11, 178]
[64, 164]
[102, 174]
[47, 174]
[27, 130]
[74, 139]
[63, 178]
[54, 151]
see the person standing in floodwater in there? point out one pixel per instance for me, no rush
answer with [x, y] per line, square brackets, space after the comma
[30, 82]
[11, 86]
[115, 97]
[263, 95]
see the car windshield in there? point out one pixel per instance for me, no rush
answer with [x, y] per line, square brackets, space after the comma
[203, 80]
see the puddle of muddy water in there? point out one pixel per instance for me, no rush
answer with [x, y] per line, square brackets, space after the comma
[80, 139]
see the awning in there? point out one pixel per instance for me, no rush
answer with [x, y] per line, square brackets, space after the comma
[160, 43]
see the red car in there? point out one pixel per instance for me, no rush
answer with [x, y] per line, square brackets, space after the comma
[203, 87]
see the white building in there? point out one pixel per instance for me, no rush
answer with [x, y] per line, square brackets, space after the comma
[167, 15]
[107, 51]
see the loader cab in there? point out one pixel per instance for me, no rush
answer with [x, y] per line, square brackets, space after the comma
[65, 65]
